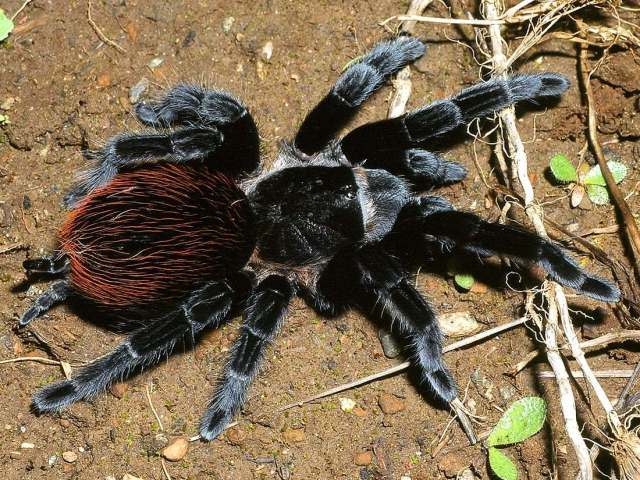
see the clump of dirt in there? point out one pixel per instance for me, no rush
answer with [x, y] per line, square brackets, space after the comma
[62, 88]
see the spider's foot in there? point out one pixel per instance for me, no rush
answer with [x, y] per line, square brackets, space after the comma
[55, 397]
[441, 384]
[28, 316]
[528, 86]
[214, 423]
[599, 289]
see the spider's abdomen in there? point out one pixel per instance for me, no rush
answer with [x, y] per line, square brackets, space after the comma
[153, 234]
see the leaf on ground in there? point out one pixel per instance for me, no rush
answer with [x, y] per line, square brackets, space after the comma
[502, 465]
[464, 280]
[562, 169]
[6, 25]
[523, 419]
[595, 177]
[598, 195]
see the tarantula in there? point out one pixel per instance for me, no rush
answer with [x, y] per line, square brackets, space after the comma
[175, 230]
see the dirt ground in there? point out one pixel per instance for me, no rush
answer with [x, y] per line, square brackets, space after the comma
[61, 85]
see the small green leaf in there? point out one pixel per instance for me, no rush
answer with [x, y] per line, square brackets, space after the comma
[523, 419]
[464, 280]
[6, 25]
[598, 195]
[595, 177]
[562, 169]
[502, 465]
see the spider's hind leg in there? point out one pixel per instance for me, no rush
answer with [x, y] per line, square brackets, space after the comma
[206, 308]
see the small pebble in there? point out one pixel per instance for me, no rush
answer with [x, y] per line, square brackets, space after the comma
[189, 38]
[363, 458]
[176, 450]
[8, 103]
[52, 460]
[160, 441]
[458, 324]
[138, 89]
[155, 62]
[390, 404]
[14, 455]
[69, 457]
[347, 405]
[359, 412]
[267, 51]
[26, 445]
[227, 24]
[104, 80]
[389, 345]
[293, 435]
[128, 476]
[235, 436]
[118, 389]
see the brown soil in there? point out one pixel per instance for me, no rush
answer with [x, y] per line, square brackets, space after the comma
[68, 86]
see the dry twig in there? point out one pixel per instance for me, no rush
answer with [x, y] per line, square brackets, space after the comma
[628, 220]
[99, 32]
[403, 366]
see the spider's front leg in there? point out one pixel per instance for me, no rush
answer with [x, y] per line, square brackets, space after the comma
[359, 81]
[375, 282]
[206, 308]
[398, 144]
[264, 314]
[430, 226]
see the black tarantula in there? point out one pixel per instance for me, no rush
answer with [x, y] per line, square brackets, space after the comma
[176, 230]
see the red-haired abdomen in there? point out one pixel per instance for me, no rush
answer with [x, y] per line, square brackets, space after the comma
[154, 234]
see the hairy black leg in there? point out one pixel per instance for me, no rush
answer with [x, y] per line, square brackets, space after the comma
[264, 314]
[423, 169]
[52, 265]
[419, 127]
[206, 307]
[56, 293]
[130, 150]
[193, 105]
[468, 232]
[354, 86]
[374, 281]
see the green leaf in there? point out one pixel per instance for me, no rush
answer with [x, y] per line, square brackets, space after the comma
[562, 169]
[595, 177]
[464, 280]
[6, 25]
[523, 419]
[502, 465]
[598, 195]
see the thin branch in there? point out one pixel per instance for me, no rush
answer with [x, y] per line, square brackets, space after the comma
[618, 198]
[628, 373]
[153, 409]
[22, 7]
[446, 21]
[101, 35]
[607, 339]
[46, 361]
[403, 366]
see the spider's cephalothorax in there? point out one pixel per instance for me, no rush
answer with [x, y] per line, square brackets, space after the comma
[180, 224]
